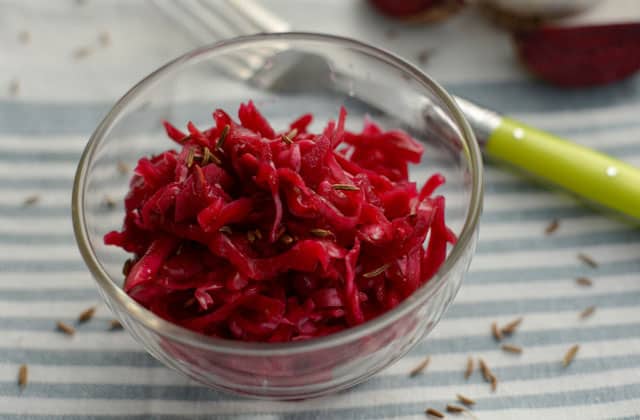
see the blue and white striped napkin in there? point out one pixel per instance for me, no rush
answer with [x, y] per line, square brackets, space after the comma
[56, 87]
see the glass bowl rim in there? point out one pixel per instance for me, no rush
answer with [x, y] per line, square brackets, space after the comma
[185, 336]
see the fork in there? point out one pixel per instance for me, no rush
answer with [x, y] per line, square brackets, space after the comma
[591, 175]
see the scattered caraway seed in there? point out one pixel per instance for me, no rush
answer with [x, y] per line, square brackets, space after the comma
[570, 355]
[391, 33]
[104, 39]
[497, 334]
[114, 325]
[488, 375]
[286, 239]
[82, 52]
[453, 408]
[552, 227]
[288, 138]
[512, 326]
[123, 168]
[65, 328]
[587, 260]
[126, 267]
[251, 236]
[469, 370]
[24, 37]
[345, 187]
[23, 376]
[86, 315]
[511, 348]
[465, 400]
[376, 272]
[420, 368]
[190, 157]
[223, 136]
[423, 57]
[587, 312]
[215, 159]
[320, 233]
[109, 202]
[225, 229]
[434, 413]
[206, 156]
[584, 281]
[209, 157]
[31, 200]
[14, 87]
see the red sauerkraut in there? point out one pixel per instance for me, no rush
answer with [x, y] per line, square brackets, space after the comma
[248, 234]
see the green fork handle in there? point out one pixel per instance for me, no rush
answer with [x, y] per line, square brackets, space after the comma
[592, 175]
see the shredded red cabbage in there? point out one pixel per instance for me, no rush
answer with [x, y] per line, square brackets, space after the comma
[248, 234]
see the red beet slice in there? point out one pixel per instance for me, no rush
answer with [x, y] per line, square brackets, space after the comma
[253, 235]
[581, 56]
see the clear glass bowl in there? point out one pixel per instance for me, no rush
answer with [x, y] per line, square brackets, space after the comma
[286, 75]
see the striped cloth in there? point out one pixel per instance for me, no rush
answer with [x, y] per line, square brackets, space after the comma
[57, 86]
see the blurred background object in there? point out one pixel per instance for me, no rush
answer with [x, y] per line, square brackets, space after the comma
[419, 11]
[542, 9]
[552, 39]
[575, 56]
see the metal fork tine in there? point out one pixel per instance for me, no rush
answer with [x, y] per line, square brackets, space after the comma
[238, 22]
[206, 26]
[206, 22]
[261, 18]
[243, 24]
[174, 11]
[207, 18]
